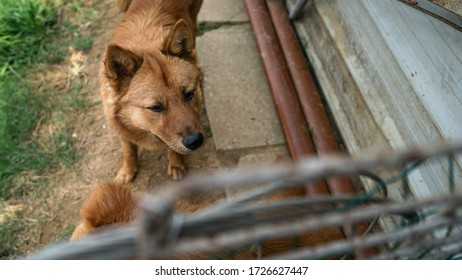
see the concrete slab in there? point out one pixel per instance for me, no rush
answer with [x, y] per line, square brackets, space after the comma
[223, 11]
[256, 160]
[237, 96]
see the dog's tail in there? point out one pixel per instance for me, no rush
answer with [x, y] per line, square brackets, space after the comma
[108, 204]
[123, 5]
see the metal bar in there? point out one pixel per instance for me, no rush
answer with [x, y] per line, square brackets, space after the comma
[120, 243]
[341, 247]
[296, 10]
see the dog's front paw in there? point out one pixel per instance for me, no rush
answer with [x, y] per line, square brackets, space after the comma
[125, 176]
[176, 171]
[176, 167]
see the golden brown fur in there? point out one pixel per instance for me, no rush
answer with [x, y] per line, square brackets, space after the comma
[151, 82]
[108, 204]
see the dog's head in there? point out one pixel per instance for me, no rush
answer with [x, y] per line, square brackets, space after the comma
[159, 92]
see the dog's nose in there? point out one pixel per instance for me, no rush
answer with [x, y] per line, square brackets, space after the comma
[193, 141]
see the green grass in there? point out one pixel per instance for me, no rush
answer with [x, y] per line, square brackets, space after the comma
[19, 113]
[83, 43]
[205, 26]
[29, 34]
[19, 149]
[37, 120]
[8, 231]
[208, 129]
[24, 26]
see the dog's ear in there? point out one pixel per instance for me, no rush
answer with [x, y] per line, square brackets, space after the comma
[180, 40]
[121, 65]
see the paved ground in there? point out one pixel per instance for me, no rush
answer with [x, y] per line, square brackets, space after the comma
[237, 98]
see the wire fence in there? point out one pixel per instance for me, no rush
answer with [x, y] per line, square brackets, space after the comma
[427, 228]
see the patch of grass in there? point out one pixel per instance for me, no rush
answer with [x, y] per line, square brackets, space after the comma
[208, 129]
[8, 231]
[83, 43]
[24, 26]
[37, 119]
[77, 98]
[29, 33]
[76, 6]
[62, 148]
[91, 15]
[19, 112]
[21, 151]
[58, 54]
[205, 26]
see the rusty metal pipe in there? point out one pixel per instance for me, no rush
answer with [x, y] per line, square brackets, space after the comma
[287, 106]
[313, 109]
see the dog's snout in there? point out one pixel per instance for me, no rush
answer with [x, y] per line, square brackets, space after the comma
[193, 141]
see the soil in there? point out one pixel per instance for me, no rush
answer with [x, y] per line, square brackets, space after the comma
[52, 213]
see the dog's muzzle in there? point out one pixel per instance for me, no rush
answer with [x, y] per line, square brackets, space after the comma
[193, 141]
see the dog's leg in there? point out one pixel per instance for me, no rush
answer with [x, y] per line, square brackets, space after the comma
[129, 168]
[176, 167]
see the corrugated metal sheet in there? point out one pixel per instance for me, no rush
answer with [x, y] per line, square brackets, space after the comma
[392, 76]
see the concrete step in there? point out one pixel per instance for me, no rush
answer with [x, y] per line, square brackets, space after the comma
[254, 159]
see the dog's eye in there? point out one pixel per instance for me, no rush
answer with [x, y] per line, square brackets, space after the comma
[156, 108]
[189, 95]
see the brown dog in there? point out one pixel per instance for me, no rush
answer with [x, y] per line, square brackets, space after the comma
[112, 204]
[151, 82]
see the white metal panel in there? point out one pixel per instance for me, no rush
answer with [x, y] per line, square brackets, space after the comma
[428, 59]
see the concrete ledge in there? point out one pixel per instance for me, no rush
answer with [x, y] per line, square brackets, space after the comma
[255, 160]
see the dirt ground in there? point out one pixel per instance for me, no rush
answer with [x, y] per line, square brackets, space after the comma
[52, 214]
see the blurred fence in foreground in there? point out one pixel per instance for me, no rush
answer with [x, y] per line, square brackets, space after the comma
[422, 228]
